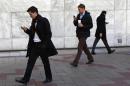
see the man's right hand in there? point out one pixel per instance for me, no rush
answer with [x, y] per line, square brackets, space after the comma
[24, 28]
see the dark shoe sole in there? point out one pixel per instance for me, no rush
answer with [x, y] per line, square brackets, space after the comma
[21, 81]
[47, 81]
[89, 62]
[74, 65]
[93, 53]
[111, 52]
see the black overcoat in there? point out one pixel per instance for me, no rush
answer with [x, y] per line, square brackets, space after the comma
[101, 26]
[44, 32]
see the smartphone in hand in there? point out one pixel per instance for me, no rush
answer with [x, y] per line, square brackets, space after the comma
[74, 17]
[24, 28]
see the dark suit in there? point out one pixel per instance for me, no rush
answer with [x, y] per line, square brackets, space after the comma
[44, 49]
[83, 33]
[101, 28]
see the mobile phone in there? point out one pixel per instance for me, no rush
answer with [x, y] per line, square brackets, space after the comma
[22, 27]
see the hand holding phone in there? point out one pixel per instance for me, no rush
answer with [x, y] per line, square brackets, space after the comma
[107, 22]
[74, 17]
[24, 28]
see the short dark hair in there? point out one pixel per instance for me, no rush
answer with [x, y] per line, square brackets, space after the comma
[32, 9]
[81, 6]
[104, 12]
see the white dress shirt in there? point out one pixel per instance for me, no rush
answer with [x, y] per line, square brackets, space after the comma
[81, 15]
[36, 37]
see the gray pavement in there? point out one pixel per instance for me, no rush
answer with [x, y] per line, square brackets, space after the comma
[107, 70]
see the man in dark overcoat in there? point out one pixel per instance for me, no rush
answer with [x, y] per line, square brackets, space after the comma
[40, 44]
[101, 33]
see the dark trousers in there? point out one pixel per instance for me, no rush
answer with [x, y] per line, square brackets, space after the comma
[36, 52]
[104, 41]
[82, 46]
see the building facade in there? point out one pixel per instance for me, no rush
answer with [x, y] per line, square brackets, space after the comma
[60, 14]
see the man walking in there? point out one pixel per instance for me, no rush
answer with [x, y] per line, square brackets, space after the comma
[83, 22]
[40, 44]
[101, 33]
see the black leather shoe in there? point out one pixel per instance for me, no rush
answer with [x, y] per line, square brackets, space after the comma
[93, 53]
[21, 80]
[74, 65]
[90, 62]
[112, 51]
[47, 81]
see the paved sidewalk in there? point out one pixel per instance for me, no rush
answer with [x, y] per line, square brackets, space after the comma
[108, 70]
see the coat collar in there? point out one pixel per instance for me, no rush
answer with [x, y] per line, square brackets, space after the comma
[37, 18]
[85, 13]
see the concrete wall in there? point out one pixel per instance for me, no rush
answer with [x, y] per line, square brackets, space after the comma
[60, 14]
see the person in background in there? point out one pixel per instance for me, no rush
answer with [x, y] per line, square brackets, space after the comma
[101, 33]
[83, 23]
